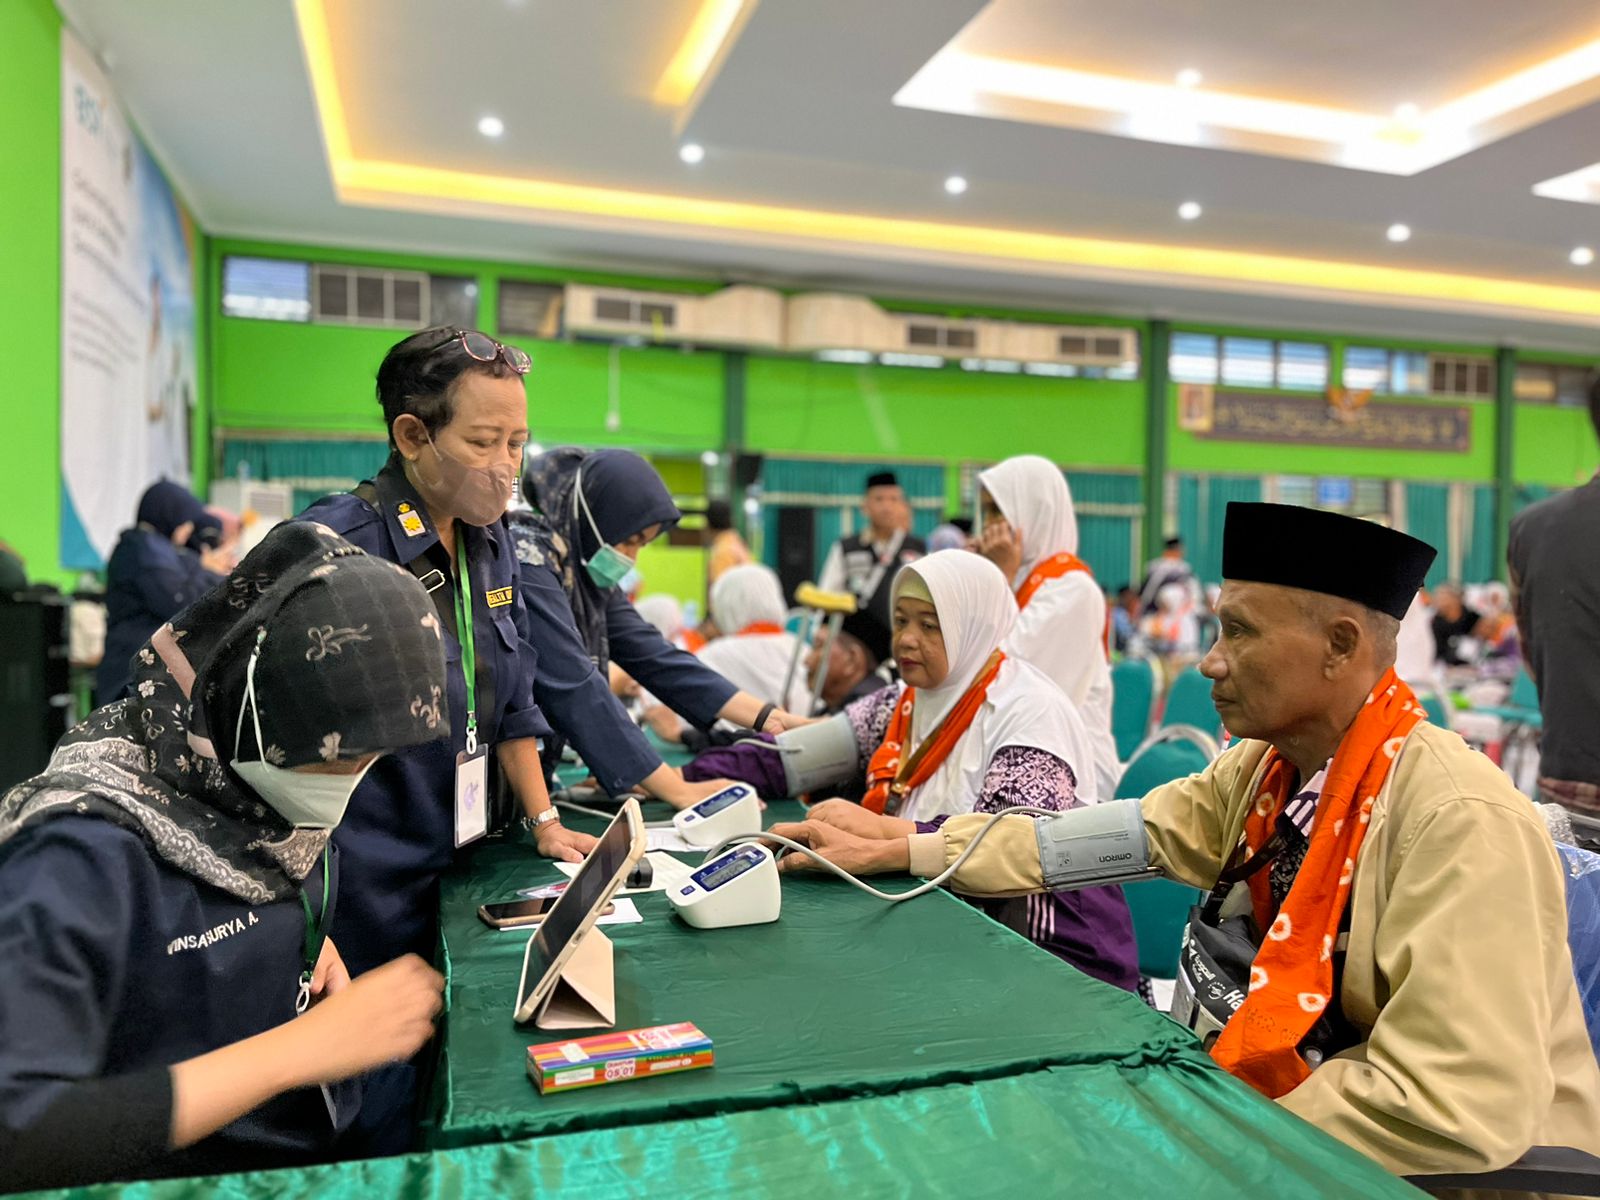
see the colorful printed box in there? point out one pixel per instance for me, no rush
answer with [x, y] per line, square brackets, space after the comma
[615, 1057]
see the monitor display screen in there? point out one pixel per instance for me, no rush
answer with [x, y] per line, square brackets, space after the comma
[729, 867]
[722, 800]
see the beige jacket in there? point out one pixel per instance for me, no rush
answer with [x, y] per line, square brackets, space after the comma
[1457, 968]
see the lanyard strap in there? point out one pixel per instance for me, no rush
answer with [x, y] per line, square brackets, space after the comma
[316, 933]
[469, 648]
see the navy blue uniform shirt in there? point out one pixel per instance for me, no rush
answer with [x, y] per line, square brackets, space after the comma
[148, 582]
[398, 834]
[576, 692]
[114, 964]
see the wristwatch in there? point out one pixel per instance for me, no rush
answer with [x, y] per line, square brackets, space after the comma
[544, 817]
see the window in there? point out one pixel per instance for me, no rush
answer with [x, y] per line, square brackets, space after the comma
[1551, 383]
[1460, 375]
[1358, 497]
[266, 289]
[530, 309]
[1392, 372]
[1248, 362]
[453, 300]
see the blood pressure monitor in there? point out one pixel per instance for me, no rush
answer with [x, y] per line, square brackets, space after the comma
[739, 887]
[733, 811]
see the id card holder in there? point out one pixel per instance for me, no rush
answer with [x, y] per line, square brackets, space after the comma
[472, 796]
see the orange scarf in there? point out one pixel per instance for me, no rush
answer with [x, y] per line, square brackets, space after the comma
[1291, 979]
[888, 779]
[1055, 567]
[760, 627]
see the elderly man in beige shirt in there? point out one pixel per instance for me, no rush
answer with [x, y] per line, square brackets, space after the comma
[1404, 981]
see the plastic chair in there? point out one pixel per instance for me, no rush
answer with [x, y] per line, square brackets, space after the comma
[1133, 696]
[1522, 706]
[1438, 711]
[1189, 703]
[1161, 907]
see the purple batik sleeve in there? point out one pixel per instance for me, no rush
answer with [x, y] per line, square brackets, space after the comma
[869, 721]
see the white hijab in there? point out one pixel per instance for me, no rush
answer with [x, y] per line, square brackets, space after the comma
[1033, 495]
[1023, 707]
[744, 595]
[662, 611]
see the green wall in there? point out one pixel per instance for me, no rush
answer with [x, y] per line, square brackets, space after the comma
[1553, 446]
[30, 262]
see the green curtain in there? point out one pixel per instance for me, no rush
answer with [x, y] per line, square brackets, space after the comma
[834, 488]
[1202, 508]
[1477, 558]
[1428, 518]
[1110, 509]
[1532, 493]
[313, 466]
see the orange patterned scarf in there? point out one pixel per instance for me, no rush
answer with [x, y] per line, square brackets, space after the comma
[756, 627]
[1291, 979]
[888, 778]
[1055, 567]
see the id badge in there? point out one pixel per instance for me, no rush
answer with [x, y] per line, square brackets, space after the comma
[472, 796]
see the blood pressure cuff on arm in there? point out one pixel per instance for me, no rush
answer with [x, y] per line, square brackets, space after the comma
[1101, 844]
[759, 766]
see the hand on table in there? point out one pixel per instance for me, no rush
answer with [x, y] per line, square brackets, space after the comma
[1002, 546]
[852, 818]
[555, 840]
[856, 854]
[385, 1016]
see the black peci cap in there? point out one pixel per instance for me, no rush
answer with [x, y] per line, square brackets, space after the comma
[1324, 552]
[881, 479]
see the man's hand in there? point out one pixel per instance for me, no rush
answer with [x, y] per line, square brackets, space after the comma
[858, 855]
[555, 840]
[852, 818]
[778, 721]
[1002, 546]
[385, 1016]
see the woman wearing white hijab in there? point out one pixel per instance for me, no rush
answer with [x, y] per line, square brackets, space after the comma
[754, 652]
[1030, 531]
[973, 728]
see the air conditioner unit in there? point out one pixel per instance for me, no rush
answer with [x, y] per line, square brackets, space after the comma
[735, 316]
[260, 506]
[1071, 345]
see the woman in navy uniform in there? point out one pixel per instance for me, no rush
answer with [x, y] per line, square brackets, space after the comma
[593, 513]
[458, 418]
[167, 561]
[167, 885]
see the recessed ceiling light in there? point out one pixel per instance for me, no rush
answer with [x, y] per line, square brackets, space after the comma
[1398, 232]
[1581, 256]
[955, 185]
[1189, 210]
[692, 152]
[491, 127]
[1189, 78]
[1407, 112]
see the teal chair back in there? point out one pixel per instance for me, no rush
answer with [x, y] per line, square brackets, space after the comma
[1133, 693]
[1160, 907]
[1524, 692]
[1433, 705]
[1189, 703]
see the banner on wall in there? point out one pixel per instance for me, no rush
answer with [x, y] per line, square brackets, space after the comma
[1308, 420]
[127, 317]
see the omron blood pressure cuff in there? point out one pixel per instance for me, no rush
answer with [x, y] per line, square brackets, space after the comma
[1087, 847]
[818, 755]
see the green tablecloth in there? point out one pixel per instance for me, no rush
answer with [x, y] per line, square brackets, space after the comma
[1092, 1131]
[844, 996]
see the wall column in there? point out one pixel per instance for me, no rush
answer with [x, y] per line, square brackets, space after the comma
[1505, 424]
[1155, 438]
[733, 400]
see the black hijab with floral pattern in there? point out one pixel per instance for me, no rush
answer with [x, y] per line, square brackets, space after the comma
[350, 663]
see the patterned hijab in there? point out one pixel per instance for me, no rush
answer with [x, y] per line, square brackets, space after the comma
[625, 497]
[350, 662]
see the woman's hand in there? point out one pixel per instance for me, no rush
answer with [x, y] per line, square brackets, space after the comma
[778, 721]
[1002, 546]
[383, 1017]
[331, 976]
[556, 841]
[861, 822]
[858, 855]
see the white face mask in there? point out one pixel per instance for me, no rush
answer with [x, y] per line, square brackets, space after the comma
[306, 801]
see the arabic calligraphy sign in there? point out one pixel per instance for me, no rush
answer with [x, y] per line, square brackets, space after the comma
[1308, 420]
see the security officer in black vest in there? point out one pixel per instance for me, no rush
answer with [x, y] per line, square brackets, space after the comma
[865, 564]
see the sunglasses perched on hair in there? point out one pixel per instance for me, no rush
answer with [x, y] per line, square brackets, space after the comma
[485, 349]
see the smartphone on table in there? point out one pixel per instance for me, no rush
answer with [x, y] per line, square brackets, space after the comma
[516, 914]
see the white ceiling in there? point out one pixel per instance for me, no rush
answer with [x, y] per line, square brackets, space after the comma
[800, 114]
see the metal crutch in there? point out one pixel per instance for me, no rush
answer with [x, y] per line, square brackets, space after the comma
[837, 605]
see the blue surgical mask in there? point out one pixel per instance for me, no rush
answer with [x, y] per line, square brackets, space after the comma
[608, 566]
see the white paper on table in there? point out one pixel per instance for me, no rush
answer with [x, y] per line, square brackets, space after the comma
[627, 913]
[667, 837]
[665, 872]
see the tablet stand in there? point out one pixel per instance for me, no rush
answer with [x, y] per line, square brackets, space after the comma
[585, 993]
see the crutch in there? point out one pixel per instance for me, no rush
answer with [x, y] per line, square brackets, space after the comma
[837, 605]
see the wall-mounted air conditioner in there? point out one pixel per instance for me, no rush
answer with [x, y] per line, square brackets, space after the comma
[743, 316]
[1070, 345]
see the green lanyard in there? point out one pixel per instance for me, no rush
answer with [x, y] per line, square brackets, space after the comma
[315, 935]
[469, 649]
